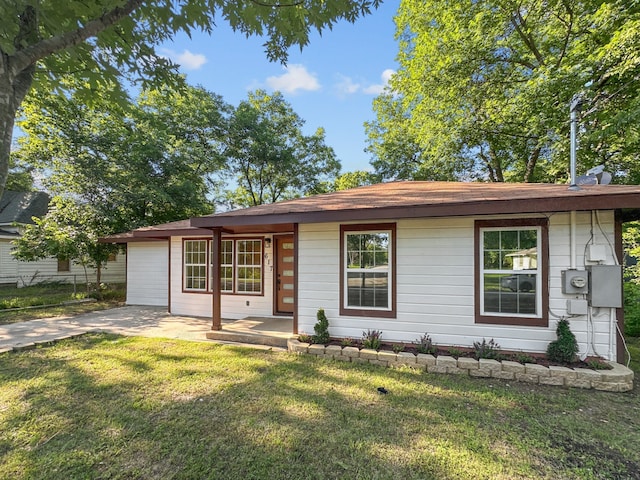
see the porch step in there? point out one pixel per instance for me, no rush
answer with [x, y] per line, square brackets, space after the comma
[251, 338]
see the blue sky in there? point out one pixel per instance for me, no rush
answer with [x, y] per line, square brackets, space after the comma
[330, 84]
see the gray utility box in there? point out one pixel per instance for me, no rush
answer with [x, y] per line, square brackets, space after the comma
[575, 281]
[605, 286]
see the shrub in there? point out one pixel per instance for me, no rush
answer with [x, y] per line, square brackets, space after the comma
[632, 309]
[597, 364]
[485, 349]
[372, 339]
[425, 345]
[565, 348]
[347, 342]
[305, 338]
[455, 352]
[522, 357]
[321, 328]
[398, 347]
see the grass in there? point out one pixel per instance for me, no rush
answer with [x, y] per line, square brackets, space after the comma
[49, 299]
[103, 406]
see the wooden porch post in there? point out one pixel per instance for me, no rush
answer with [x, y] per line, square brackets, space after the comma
[295, 277]
[216, 311]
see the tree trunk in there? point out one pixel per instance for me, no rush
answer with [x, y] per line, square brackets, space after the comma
[531, 164]
[13, 89]
[99, 281]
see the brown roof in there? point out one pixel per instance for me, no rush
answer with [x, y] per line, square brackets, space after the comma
[404, 199]
[156, 232]
[411, 199]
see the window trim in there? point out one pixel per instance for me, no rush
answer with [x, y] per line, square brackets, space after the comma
[368, 312]
[236, 266]
[184, 266]
[209, 279]
[227, 265]
[543, 261]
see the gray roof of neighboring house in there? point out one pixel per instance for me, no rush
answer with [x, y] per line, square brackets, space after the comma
[20, 207]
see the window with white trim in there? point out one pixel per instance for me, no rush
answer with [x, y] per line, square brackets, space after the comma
[226, 265]
[195, 265]
[367, 270]
[249, 266]
[512, 271]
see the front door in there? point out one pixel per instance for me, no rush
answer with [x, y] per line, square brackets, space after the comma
[284, 274]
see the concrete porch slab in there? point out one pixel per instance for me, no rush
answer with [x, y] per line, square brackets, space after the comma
[272, 331]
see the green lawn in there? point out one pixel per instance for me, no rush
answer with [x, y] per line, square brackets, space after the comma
[17, 304]
[104, 406]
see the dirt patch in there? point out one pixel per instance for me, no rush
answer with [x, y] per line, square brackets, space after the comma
[603, 461]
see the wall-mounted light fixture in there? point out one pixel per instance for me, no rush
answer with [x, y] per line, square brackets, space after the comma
[267, 243]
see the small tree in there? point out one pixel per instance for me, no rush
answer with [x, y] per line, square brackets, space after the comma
[565, 348]
[321, 328]
[68, 231]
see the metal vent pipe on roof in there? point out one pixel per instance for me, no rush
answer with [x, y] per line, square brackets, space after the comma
[574, 107]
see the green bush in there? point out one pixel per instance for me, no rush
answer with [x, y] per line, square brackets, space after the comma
[372, 339]
[321, 328]
[425, 345]
[632, 309]
[565, 348]
[484, 349]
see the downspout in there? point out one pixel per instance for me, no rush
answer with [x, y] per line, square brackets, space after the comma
[572, 241]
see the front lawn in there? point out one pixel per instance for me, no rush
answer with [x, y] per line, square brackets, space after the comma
[104, 406]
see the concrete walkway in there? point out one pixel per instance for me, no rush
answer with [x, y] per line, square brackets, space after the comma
[129, 320]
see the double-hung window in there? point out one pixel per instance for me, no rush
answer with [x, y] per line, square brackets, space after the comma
[195, 265]
[511, 271]
[226, 266]
[368, 270]
[249, 266]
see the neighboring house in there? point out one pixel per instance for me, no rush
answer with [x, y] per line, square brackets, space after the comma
[17, 209]
[458, 261]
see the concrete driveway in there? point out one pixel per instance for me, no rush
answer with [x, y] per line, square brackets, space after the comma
[129, 320]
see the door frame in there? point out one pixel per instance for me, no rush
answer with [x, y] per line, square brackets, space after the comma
[274, 241]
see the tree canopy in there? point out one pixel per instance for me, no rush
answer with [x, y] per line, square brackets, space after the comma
[109, 42]
[484, 88]
[269, 157]
[151, 162]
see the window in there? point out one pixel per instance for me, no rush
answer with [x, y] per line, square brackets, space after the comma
[367, 277]
[240, 265]
[64, 265]
[195, 265]
[511, 272]
[226, 266]
[249, 266]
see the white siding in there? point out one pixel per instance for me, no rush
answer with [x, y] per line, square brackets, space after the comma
[435, 285]
[232, 306]
[27, 273]
[147, 273]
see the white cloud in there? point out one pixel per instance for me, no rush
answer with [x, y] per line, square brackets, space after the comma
[188, 60]
[295, 79]
[377, 89]
[346, 86]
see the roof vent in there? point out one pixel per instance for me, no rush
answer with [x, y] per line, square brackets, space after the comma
[595, 176]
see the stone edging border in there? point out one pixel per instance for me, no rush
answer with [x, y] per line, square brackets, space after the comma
[619, 379]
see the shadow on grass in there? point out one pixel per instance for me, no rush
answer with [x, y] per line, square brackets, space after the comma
[104, 406]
